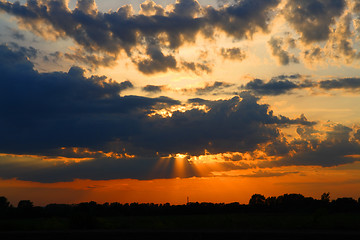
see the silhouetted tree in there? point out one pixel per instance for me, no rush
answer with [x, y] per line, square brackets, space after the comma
[270, 201]
[292, 200]
[4, 203]
[4, 207]
[344, 204]
[25, 204]
[325, 197]
[257, 200]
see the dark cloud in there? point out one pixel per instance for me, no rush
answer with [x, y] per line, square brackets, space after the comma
[243, 18]
[92, 60]
[291, 42]
[328, 148]
[198, 68]
[112, 32]
[302, 120]
[53, 57]
[211, 88]
[153, 88]
[283, 77]
[278, 85]
[42, 111]
[187, 8]
[341, 83]
[342, 38]
[125, 85]
[313, 54]
[97, 169]
[230, 125]
[156, 62]
[284, 84]
[273, 87]
[35, 169]
[332, 151]
[279, 147]
[233, 53]
[313, 18]
[357, 135]
[283, 57]
[335, 149]
[30, 52]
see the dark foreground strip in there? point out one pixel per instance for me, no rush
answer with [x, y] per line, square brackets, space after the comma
[181, 235]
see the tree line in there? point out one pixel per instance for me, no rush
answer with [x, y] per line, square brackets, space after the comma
[257, 202]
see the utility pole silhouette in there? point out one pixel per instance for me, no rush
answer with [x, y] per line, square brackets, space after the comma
[187, 200]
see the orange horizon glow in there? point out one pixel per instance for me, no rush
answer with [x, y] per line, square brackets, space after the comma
[311, 182]
[217, 184]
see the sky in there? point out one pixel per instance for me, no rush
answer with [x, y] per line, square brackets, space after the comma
[157, 101]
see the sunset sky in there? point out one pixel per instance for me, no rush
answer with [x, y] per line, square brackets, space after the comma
[157, 101]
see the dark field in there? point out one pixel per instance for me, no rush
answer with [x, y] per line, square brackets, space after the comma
[247, 221]
[180, 235]
[204, 226]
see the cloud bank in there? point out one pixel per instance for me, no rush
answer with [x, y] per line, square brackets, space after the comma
[160, 31]
[44, 112]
